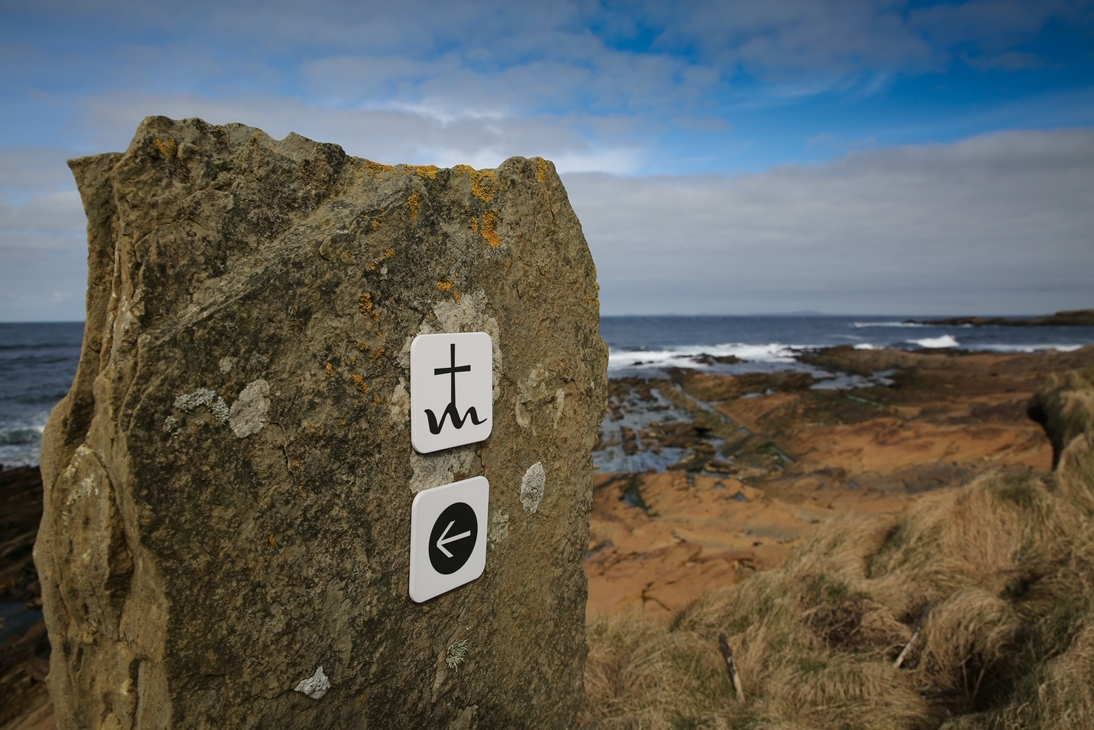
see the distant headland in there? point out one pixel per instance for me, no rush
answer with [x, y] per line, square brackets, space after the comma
[1073, 318]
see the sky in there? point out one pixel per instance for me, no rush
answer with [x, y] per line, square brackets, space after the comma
[846, 156]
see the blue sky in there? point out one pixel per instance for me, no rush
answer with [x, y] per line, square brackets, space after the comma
[724, 157]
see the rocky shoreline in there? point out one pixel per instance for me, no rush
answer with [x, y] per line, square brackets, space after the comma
[24, 645]
[1072, 318]
[739, 467]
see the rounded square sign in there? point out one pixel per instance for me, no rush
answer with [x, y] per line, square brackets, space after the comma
[448, 537]
[451, 390]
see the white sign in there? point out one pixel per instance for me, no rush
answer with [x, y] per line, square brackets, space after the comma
[451, 390]
[448, 537]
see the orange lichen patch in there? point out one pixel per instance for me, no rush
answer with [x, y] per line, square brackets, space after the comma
[364, 304]
[378, 354]
[270, 539]
[360, 383]
[429, 171]
[490, 228]
[474, 225]
[449, 286]
[362, 346]
[376, 399]
[415, 204]
[329, 369]
[389, 252]
[167, 147]
[377, 167]
[484, 183]
[541, 169]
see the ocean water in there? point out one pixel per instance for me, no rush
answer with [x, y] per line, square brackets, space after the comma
[38, 361]
[648, 345]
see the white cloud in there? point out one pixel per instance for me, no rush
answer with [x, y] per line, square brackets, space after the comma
[595, 88]
[26, 172]
[999, 223]
[393, 136]
[51, 213]
[993, 224]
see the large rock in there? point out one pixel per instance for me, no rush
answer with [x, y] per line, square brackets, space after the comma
[1065, 405]
[229, 481]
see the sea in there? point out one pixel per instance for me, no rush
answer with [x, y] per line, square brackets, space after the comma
[38, 360]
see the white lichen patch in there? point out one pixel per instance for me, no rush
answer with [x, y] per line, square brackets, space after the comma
[171, 425]
[532, 487]
[456, 654]
[226, 364]
[534, 395]
[399, 407]
[207, 398]
[314, 686]
[560, 400]
[89, 485]
[248, 413]
[439, 468]
[499, 526]
[468, 315]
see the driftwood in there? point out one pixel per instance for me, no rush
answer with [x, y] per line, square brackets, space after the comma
[915, 635]
[731, 667]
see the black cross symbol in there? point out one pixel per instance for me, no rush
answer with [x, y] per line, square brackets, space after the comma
[435, 426]
[453, 370]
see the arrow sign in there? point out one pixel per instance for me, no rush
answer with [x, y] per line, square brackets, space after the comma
[462, 518]
[445, 540]
[448, 537]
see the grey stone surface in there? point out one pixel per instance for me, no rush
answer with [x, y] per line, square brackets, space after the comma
[229, 481]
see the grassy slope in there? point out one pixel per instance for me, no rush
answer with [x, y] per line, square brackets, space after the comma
[998, 576]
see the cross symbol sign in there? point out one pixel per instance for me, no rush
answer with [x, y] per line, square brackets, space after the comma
[441, 364]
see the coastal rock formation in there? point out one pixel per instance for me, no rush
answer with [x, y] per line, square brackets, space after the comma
[228, 484]
[752, 461]
[1065, 404]
[1071, 318]
[24, 646]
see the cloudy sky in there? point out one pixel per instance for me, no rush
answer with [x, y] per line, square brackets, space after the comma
[733, 157]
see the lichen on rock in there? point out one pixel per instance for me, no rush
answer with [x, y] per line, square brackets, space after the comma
[248, 414]
[314, 686]
[532, 487]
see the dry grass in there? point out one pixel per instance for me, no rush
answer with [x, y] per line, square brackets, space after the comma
[994, 581]
[999, 573]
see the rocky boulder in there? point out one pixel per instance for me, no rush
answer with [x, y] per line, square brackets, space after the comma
[1065, 405]
[228, 484]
